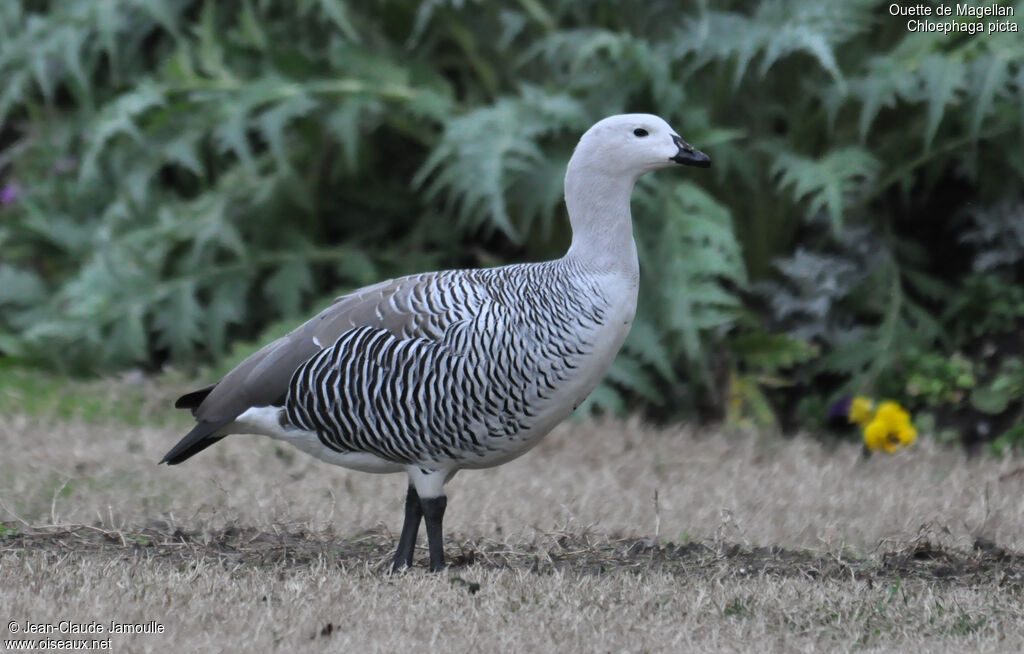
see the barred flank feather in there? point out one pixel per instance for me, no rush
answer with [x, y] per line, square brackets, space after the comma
[460, 395]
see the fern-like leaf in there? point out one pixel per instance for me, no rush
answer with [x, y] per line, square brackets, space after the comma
[699, 251]
[941, 79]
[827, 182]
[988, 76]
[482, 153]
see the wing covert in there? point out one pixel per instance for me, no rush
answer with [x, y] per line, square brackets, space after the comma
[418, 306]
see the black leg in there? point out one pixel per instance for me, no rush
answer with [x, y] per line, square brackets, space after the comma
[433, 514]
[410, 528]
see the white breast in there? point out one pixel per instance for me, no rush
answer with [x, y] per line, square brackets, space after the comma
[604, 342]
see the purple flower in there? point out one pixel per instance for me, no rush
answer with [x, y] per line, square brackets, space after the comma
[841, 409]
[10, 193]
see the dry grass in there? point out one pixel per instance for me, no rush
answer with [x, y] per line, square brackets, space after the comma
[753, 543]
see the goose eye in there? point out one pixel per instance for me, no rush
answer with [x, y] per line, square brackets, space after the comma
[640, 131]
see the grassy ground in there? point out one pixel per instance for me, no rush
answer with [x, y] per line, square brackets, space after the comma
[610, 536]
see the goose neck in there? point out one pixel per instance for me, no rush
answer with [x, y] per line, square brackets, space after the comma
[602, 226]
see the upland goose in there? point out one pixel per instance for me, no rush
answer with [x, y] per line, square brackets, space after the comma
[436, 372]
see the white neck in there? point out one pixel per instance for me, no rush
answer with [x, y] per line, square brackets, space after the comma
[602, 226]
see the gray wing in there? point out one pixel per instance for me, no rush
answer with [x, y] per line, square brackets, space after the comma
[406, 307]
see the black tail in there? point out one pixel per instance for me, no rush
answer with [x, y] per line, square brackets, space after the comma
[194, 442]
[194, 399]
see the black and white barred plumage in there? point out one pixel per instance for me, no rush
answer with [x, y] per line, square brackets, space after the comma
[496, 347]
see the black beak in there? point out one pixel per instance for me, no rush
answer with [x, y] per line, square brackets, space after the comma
[688, 156]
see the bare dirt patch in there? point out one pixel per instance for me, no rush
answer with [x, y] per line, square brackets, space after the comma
[575, 554]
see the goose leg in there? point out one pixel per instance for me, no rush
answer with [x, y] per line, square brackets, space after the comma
[410, 529]
[433, 514]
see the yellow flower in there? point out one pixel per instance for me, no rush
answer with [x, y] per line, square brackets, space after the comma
[890, 429]
[862, 410]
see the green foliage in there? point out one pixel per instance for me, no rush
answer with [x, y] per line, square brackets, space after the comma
[1006, 387]
[1012, 438]
[768, 353]
[984, 304]
[826, 182]
[184, 173]
[996, 233]
[931, 379]
[130, 400]
[491, 157]
[169, 206]
[697, 248]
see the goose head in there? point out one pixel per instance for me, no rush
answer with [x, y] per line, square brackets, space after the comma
[634, 144]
